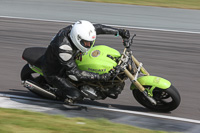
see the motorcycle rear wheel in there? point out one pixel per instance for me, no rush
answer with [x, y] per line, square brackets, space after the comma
[28, 74]
[167, 99]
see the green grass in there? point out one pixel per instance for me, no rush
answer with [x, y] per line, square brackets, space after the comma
[19, 121]
[187, 4]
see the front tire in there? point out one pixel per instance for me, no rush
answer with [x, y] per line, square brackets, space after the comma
[167, 99]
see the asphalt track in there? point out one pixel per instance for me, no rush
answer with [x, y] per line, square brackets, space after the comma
[171, 55]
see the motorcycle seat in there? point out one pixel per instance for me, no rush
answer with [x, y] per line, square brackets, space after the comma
[34, 55]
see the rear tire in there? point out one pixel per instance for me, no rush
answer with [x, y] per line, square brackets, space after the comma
[26, 73]
[167, 99]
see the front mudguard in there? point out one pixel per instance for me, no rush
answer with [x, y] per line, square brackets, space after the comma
[152, 82]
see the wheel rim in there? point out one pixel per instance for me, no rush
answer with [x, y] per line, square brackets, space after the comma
[165, 100]
[162, 98]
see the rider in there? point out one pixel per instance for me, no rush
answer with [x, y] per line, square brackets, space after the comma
[59, 65]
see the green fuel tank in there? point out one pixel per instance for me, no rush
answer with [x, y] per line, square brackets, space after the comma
[99, 59]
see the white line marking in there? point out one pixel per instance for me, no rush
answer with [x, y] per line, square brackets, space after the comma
[28, 98]
[131, 27]
[144, 114]
[108, 109]
[37, 19]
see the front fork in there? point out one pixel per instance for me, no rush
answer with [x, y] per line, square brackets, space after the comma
[133, 78]
[139, 86]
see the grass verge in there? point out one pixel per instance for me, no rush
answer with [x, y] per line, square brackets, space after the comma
[187, 4]
[12, 120]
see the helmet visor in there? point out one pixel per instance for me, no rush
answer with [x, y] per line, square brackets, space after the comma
[86, 44]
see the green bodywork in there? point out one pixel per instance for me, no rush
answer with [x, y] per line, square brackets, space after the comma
[153, 82]
[97, 61]
[37, 70]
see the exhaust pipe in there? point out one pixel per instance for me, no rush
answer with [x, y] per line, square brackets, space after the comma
[38, 90]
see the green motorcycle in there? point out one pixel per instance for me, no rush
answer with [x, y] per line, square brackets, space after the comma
[152, 92]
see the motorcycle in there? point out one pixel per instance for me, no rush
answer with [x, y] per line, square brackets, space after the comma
[155, 93]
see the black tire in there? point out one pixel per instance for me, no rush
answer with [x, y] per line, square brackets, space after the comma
[167, 99]
[26, 73]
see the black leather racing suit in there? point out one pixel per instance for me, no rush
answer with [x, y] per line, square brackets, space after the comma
[59, 59]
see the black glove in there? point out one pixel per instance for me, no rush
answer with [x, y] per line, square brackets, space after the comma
[124, 33]
[125, 36]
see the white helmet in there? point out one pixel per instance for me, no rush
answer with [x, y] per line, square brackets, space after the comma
[83, 35]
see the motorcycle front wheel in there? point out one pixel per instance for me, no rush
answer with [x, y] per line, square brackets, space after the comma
[166, 99]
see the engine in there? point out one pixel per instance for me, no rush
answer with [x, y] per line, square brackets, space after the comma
[97, 93]
[91, 92]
